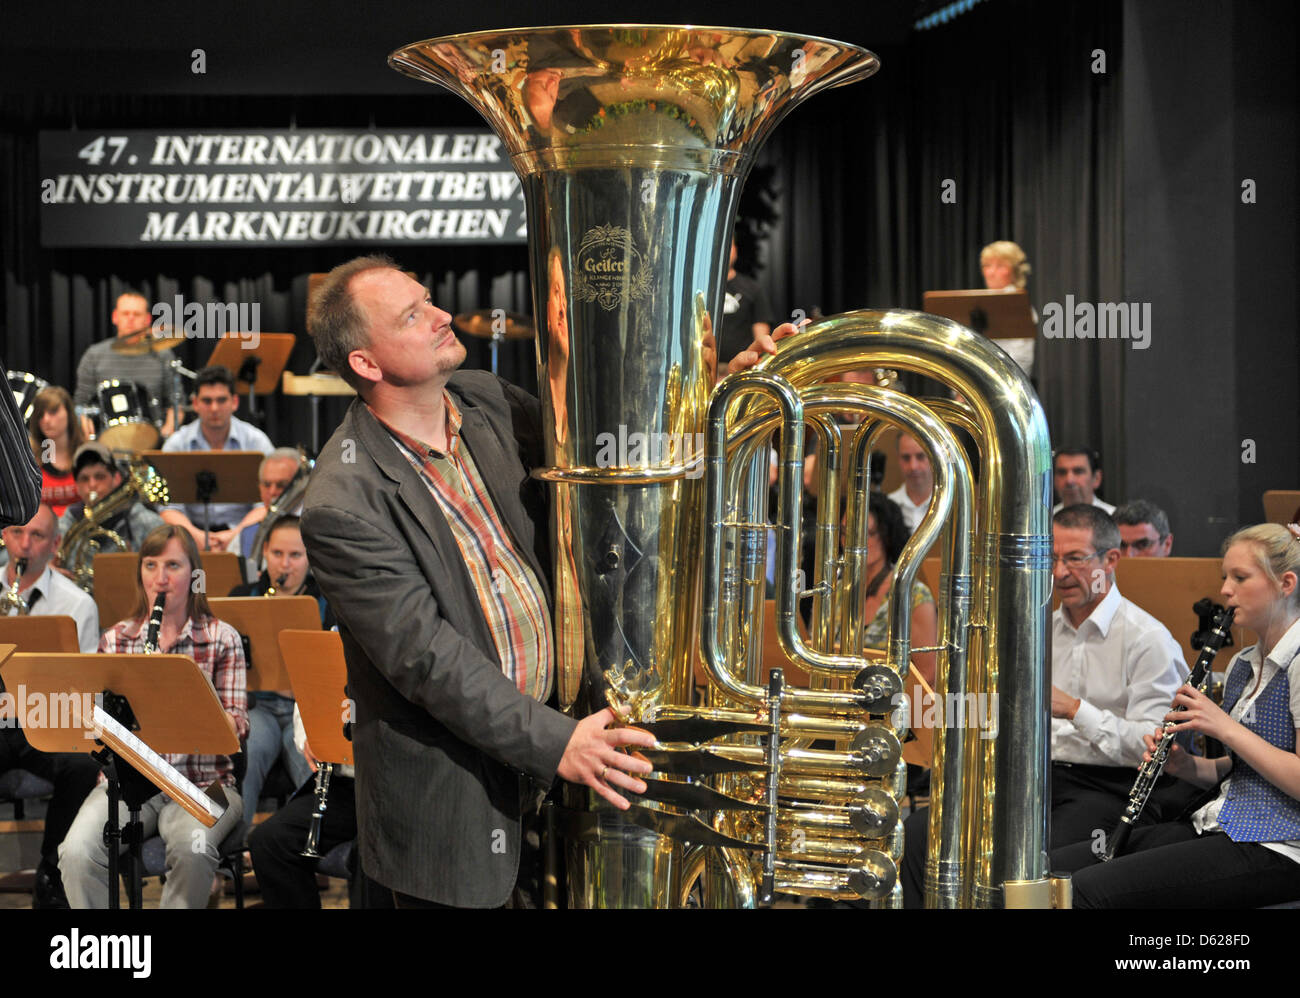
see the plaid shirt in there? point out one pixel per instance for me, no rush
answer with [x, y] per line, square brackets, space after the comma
[216, 649]
[508, 590]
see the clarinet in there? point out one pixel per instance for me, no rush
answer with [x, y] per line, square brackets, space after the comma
[155, 625]
[323, 772]
[1150, 770]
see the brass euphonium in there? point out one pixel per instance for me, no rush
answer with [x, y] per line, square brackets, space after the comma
[90, 535]
[11, 600]
[632, 143]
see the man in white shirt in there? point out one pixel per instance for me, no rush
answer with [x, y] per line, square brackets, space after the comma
[1115, 670]
[913, 496]
[47, 592]
[217, 428]
[73, 774]
[1076, 472]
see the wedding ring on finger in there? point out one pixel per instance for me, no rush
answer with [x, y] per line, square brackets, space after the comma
[603, 771]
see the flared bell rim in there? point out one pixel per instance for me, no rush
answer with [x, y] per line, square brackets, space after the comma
[869, 66]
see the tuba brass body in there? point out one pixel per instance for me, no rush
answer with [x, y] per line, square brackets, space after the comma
[632, 143]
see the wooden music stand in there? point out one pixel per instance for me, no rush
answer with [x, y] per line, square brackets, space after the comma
[999, 315]
[264, 362]
[261, 619]
[155, 704]
[41, 634]
[1280, 505]
[115, 585]
[1166, 588]
[319, 674]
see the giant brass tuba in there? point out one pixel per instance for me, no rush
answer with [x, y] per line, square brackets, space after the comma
[632, 143]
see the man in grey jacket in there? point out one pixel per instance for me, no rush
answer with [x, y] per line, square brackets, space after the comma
[422, 525]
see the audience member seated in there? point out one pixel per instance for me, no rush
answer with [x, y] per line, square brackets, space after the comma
[217, 428]
[109, 361]
[56, 435]
[913, 496]
[1242, 848]
[97, 476]
[1114, 671]
[48, 593]
[273, 477]
[1143, 530]
[270, 727]
[1077, 474]
[168, 559]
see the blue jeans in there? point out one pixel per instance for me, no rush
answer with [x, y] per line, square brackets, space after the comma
[270, 736]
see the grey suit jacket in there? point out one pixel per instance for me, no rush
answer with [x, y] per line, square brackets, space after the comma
[444, 741]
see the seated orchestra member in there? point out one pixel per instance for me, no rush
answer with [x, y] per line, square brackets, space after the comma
[168, 559]
[108, 361]
[1076, 472]
[98, 475]
[1143, 530]
[1006, 268]
[745, 313]
[1242, 849]
[1114, 670]
[273, 476]
[287, 878]
[48, 593]
[217, 428]
[73, 774]
[423, 534]
[913, 496]
[886, 535]
[56, 435]
[270, 727]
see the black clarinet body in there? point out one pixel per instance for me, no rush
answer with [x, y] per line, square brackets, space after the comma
[323, 772]
[151, 646]
[1150, 770]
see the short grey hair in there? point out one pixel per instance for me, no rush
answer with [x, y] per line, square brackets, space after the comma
[1140, 511]
[1105, 535]
[336, 322]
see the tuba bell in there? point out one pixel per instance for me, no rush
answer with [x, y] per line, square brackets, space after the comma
[632, 143]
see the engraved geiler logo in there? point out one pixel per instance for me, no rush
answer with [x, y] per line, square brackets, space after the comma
[610, 271]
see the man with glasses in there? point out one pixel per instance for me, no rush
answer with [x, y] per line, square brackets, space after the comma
[1143, 530]
[1115, 669]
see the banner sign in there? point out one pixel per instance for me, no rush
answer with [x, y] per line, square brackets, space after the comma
[277, 186]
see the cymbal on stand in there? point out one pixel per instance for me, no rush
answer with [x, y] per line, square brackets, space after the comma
[508, 325]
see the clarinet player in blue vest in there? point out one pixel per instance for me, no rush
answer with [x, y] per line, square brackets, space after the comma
[1242, 848]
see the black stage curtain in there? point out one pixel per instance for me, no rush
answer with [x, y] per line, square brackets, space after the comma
[1002, 100]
